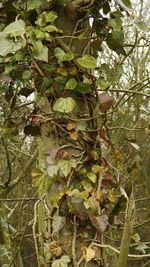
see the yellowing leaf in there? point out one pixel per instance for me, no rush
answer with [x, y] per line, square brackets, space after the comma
[92, 176]
[55, 249]
[95, 155]
[98, 169]
[36, 172]
[74, 136]
[88, 253]
[72, 70]
[64, 105]
[70, 126]
[112, 196]
[62, 71]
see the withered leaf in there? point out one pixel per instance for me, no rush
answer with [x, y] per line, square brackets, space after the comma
[106, 102]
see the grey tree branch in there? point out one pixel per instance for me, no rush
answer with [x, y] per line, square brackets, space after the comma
[5, 191]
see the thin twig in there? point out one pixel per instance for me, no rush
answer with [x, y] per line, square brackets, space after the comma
[75, 264]
[34, 228]
[17, 199]
[118, 252]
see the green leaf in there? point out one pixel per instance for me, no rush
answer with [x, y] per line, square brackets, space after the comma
[127, 3]
[87, 61]
[51, 67]
[115, 41]
[52, 170]
[46, 17]
[92, 177]
[102, 83]
[91, 203]
[61, 55]
[62, 262]
[65, 166]
[71, 84]
[14, 29]
[83, 87]
[76, 193]
[142, 248]
[50, 28]
[115, 23]
[64, 105]
[40, 51]
[10, 67]
[141, 25]
[54, 199]
[27, 74]
[7, 46]
[58, 223]
[60, 79]
[33, 4]
[87, 186]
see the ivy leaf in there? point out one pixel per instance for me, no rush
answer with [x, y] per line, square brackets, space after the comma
[136, 237]
[83, 87]
[50, 28]
[61, 55]
[55, 199]
[74, 136]
[62, 262]
[14, 29]
[40, 51]
[58, 223]
[88, 253]
[71, 84]
[87, 61]
[125, 4]
[102, 83]
[142, 248]
[36, 172]
[52, 170]
[115, 23]
[106, 102]
[87, 186]
[77, 194]
[46, 17]
[92, 177]
[32, 4]
[100, 222]
[64, 105]
[141, 25]
[91, 203]
[115, 41]
[64, 166]
[7, 46]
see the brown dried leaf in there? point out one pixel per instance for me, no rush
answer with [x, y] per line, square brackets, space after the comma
[55, 249]
[74, 136]
[100, 222]
[106, 102]
[88, 253]
[70, 126]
